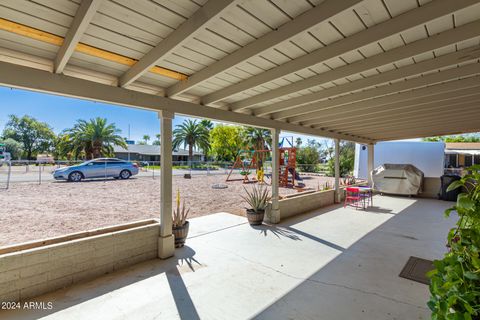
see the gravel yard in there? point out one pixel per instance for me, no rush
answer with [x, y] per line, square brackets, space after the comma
[31, 211]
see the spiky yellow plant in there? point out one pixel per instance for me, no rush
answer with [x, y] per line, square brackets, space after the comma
[181, 213]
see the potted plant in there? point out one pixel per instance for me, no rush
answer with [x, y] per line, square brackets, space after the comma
[180, 223]
[258, 201]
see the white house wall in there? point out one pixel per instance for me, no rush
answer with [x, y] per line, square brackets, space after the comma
[426, 156]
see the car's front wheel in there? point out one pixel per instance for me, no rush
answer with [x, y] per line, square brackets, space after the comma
[75, 176]
[125, 174]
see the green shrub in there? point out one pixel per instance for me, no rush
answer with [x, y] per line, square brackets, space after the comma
[455, 282]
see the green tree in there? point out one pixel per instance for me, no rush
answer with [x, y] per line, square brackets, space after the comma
[35, 136]
[225, 142]
[13, 147]
[347, 159]
[146, 138]
[94, 138]
[308, 157]
[192, 134]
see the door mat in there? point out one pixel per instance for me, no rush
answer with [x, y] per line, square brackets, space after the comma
[416, 269]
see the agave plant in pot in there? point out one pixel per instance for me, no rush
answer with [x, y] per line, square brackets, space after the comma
[257, 199]
[180, 224]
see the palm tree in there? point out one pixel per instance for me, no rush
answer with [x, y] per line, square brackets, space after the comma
[158, 140]
[257, 138]
[207, 124]
[192, 134]
[146, 138]
[298, 142]
[94, 138]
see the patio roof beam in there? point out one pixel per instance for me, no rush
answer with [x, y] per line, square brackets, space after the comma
[211, 10]
[42, 81]
[312, 110]
[440, 92]
[305, 21]
[405, 21]
[412, 49]
[403, 108]
[80, 23]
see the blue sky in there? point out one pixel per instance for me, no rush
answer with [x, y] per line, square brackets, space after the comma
[61, 112]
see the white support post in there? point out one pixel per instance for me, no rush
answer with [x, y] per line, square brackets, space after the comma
[370, 162]
[274, 214]
[337, 170]
[166, 242]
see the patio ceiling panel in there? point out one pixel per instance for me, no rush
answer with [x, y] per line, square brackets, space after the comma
[402, 23]
[418, 97]
[374, 80]
[310, 111]
[341, 69]
[417, 113]
[302, 23]
[375, 62]
[430, 104]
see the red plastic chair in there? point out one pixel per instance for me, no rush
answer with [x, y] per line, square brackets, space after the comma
[352, 197]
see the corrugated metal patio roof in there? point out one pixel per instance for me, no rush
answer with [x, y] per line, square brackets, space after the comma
[365, 71]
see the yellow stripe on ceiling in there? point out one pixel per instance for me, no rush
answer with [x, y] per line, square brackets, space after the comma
[43, 36]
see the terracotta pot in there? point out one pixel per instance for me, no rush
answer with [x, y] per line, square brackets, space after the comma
[255, 218]
[180, 234]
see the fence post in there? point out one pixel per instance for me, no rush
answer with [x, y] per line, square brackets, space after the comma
[9, 173]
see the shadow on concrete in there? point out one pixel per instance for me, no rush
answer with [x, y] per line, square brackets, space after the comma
[276, 231]
[362, 282]
[87, 290]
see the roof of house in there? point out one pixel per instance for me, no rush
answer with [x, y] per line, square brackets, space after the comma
[150, 150]
[463, 145]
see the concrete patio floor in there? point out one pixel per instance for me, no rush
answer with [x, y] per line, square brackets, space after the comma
[333, 263]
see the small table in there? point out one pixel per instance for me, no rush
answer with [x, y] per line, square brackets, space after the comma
[366, 192]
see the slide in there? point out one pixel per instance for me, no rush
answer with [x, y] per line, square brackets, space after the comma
[297, 176]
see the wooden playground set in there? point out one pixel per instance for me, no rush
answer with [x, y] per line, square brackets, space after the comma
[254, 160]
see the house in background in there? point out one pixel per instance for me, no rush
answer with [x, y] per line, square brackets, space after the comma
[460, 155]
[139, 152]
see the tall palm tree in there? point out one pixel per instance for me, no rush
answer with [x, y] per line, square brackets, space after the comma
[257, 138]
[158, 139]
[94, 138]
[298, 142]
[146, 138]
[207, 124]
[192, 134]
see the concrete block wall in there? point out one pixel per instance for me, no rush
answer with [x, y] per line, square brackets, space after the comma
[28, 273]
[305, 202]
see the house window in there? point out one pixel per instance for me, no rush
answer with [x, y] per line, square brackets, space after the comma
[477, 158]
[468, 160]
[452, 161]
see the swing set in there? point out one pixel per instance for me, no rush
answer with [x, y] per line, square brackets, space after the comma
[249, 160]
